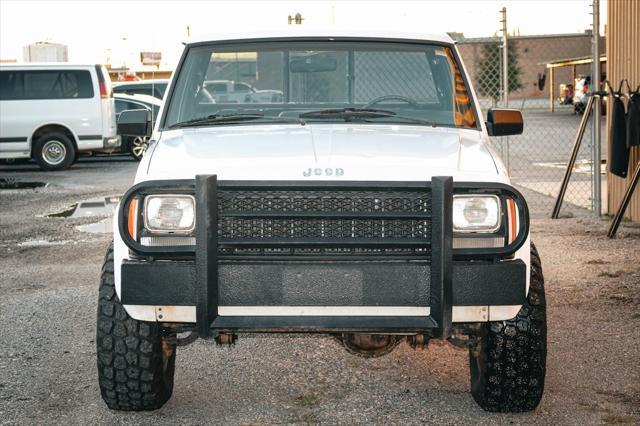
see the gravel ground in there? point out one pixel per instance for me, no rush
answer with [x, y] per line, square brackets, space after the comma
[48, 291]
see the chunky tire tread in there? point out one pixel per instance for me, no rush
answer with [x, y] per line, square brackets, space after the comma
[508, 363]
[131, 370]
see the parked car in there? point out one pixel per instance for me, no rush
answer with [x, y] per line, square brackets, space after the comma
[155, 88]
[229, 91]
[580, 94]
[53, 112]
[366, 205]
[566, 94]
[136, 145]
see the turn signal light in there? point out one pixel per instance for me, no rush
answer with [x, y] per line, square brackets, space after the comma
[132, 223]
[512, 219]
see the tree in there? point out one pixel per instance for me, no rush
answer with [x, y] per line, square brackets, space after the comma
[490, 73]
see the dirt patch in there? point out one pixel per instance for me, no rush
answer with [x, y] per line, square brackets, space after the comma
[596, 262]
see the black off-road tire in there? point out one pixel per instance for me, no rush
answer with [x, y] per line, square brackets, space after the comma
[54, 151]
[508, 362]
[136, 362]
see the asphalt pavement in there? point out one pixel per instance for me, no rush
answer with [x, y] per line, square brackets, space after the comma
[49, 271]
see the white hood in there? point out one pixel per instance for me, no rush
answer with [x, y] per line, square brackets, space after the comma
[363, 152]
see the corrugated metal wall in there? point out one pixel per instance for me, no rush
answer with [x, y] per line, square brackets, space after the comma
[623, 61]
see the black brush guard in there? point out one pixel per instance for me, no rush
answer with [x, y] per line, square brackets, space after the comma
[210, 248]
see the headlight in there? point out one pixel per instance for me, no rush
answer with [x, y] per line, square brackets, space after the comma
[476, 213]
[169, 213]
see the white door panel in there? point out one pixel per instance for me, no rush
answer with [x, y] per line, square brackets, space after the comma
[14, 127]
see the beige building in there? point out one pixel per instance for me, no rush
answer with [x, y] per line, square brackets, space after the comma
[623, 62]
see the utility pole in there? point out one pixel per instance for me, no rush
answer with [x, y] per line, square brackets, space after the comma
[597, 113]
[505, 82]
[296, 19]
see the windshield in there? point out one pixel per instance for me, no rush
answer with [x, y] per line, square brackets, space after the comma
[410, 83]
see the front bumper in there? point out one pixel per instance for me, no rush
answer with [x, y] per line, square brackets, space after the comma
[290, 294]
[248, 290]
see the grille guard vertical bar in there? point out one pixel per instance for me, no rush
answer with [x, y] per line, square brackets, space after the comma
[206, 253]
[441, 299]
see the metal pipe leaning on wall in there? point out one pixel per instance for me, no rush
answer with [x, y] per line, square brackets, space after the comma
[574, 152]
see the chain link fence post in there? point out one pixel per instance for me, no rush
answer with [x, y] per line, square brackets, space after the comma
[505, 82]
[597, 113]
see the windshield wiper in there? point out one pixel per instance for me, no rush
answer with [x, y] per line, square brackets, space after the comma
[356, 114]
[348, 113]
[232, 118]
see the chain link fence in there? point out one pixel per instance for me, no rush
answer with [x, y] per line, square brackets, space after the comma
[552, 101]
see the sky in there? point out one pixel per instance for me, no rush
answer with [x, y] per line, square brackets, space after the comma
[97, 30]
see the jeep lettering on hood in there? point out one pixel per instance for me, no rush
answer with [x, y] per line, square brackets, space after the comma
[319, 171]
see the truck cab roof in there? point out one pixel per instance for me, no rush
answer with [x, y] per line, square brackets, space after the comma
[306, 33]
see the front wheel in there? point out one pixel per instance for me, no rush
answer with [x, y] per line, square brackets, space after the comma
[508, 362]
[136, 362]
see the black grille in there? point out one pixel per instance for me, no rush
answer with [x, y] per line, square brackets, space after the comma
[324, 202]
[268, 228]
[317, 222]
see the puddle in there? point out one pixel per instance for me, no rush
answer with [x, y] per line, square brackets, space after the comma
[41, 243]
[105, 226]
[104, 206]
[580, 166]
[9, 183]
[94, 207]
[65, 213]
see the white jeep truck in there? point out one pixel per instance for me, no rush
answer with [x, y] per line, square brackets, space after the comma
[365, 204]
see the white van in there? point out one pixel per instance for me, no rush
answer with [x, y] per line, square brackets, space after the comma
[52, 112]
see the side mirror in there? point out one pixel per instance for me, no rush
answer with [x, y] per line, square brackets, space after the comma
[504, 122]
[135, 122]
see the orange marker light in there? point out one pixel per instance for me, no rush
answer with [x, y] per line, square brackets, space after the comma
[133, 219]
[512, 218]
